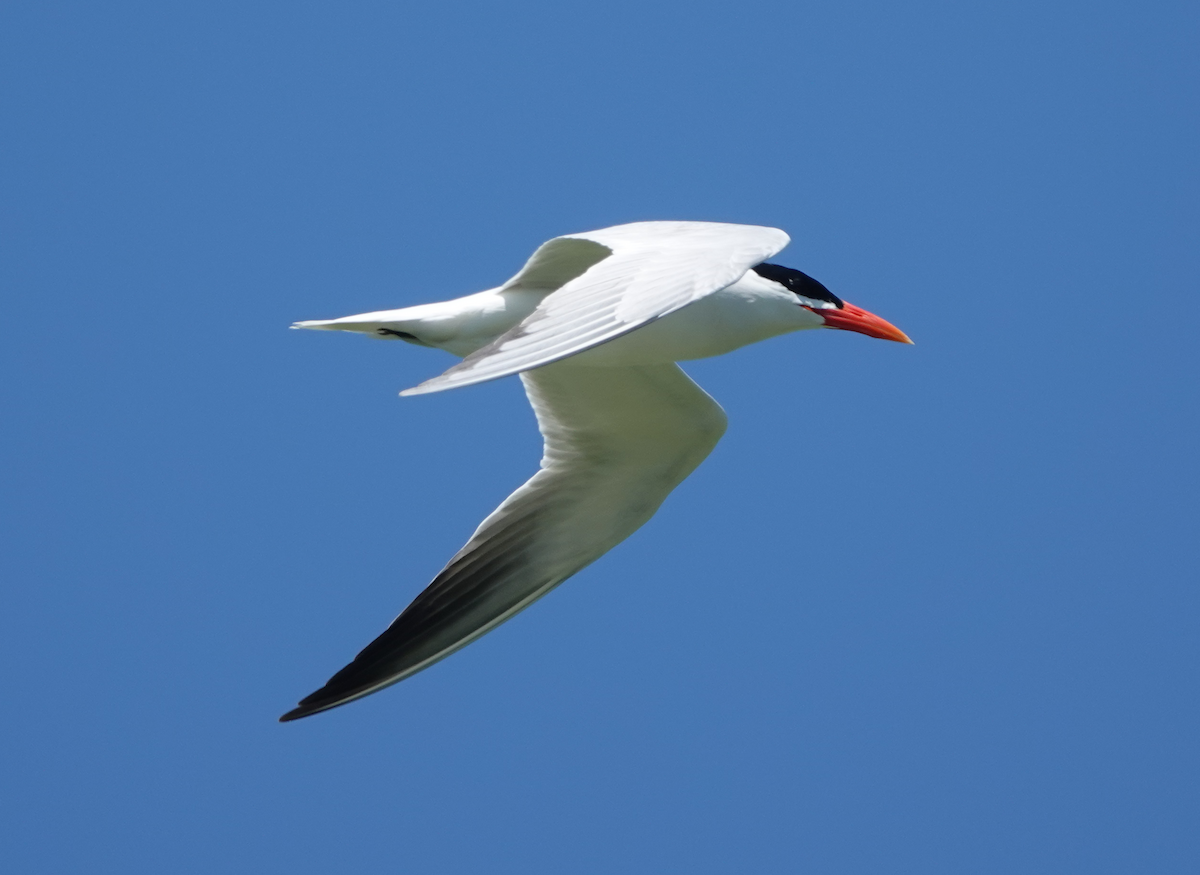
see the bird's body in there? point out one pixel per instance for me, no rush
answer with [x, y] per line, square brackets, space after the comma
[594, 324]
[747, 311]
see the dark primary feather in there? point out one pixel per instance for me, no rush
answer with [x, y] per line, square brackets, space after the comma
[484, 584]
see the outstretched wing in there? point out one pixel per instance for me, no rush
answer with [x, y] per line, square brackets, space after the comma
[617, 441]
[654, 269]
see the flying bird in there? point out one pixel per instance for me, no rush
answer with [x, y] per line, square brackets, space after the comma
[594, 324]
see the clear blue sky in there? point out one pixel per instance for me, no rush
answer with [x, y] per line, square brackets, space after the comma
[926, 609]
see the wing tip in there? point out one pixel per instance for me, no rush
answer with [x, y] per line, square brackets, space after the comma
[453, 379]
[310, 705]
[419, 389]
[429, 387]
[323, 700]
[342, 689]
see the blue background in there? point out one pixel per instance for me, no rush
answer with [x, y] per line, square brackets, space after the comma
[926, 609]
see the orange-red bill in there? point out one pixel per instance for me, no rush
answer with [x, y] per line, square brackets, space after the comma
[851, 318]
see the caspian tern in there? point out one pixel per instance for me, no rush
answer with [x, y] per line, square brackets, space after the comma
[594, 323]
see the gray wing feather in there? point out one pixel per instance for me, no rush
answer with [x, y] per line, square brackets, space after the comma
[655, 268]
[617, 441]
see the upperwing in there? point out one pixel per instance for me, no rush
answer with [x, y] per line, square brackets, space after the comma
[617, 441]
[652, 269]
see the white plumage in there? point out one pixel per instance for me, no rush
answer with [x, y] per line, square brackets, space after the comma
[594, 323]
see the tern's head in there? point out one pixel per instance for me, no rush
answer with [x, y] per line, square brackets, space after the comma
[833, 310]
